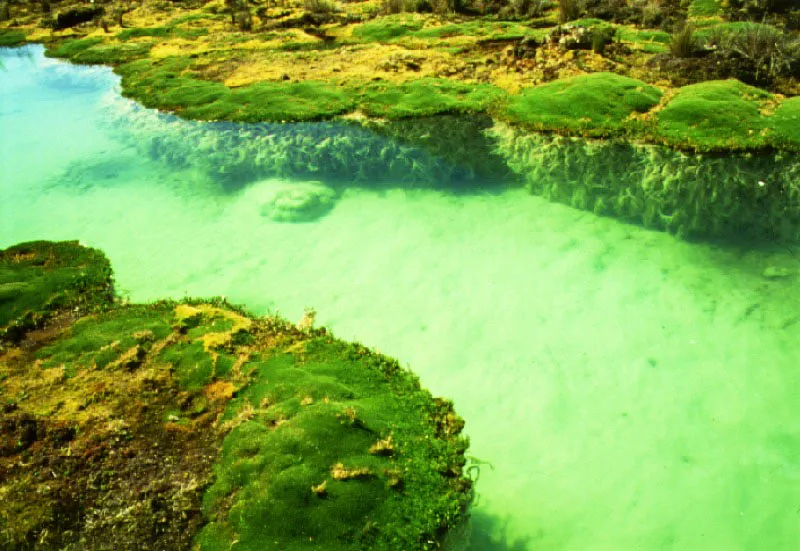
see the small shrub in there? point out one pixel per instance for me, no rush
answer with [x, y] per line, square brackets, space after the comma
[682, 43]
[760, 50]
[244, 20]
[652, 15]
[530, 8]
[393, 6]
[602, 36]
[322, 7]
[569, 10]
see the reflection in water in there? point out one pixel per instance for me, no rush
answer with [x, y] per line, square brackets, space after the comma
[631, 390]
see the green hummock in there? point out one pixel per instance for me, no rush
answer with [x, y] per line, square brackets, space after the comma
[596, 104]
[201, 426]
[715, 115]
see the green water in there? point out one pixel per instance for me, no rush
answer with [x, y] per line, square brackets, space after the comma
[629, 391]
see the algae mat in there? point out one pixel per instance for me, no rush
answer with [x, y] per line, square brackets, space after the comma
[628, 390]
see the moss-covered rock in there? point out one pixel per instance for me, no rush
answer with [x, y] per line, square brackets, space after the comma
[194, 425]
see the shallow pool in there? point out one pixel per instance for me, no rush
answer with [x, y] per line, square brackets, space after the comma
[625, 390]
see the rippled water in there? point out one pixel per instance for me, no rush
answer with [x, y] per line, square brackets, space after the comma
[626, 390]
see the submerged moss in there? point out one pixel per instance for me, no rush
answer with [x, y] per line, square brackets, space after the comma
[324, 444]
[697, 195]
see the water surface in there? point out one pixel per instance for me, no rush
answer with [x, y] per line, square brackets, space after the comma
[627, 390]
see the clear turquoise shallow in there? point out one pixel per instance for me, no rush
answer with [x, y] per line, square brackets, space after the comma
[627, 390]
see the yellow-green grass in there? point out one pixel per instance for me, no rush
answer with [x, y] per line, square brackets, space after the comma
[597, 104]
[716, 115]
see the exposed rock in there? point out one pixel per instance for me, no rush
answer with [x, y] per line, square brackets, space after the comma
[572, 38]
[75, 16]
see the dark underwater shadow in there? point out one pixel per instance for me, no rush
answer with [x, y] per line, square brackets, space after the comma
[490, 533]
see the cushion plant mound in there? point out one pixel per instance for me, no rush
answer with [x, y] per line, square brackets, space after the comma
[596, 104]
[40, 277]
[715, 115]
[196, 426]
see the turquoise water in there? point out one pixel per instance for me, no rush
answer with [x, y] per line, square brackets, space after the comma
[627, 390]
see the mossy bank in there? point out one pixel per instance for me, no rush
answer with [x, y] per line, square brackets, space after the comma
[193, 425]
[605, 75]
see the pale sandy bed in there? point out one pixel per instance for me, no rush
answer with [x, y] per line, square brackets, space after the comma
[629, 390]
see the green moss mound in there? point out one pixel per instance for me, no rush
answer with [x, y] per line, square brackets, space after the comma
[11, 37]
[70, 48]
[41, 278]
[95, 51]
[386, 29]
[786, 123]
[170, 84]
[323, 429]
[597, 104]
[426, 97]
[715, 115]
[324, 444]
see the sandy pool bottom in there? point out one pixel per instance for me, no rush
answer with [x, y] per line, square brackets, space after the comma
[626, 390]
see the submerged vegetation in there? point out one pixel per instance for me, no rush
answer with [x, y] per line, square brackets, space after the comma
[113, 417]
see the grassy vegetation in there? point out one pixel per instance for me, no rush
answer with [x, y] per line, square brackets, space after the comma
[705, 8]
[715, 115]
[483, 29]
[596, 104]
[11, 37]
[160, 32]
[72, 47]
[39, 279]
